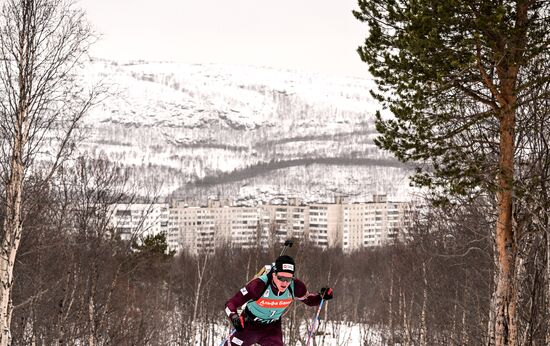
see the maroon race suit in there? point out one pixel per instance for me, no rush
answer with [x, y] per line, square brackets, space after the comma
[265, 334]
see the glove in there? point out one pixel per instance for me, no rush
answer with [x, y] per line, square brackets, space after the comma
[237, 322]
[326, 293]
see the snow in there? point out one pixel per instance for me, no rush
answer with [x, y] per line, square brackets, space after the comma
[330, 334]
[149, 93]
[176, 124]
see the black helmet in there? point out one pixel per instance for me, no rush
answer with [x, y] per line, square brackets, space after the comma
[284, 264]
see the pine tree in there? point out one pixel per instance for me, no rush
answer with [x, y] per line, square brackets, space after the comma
[154, 245]
[454, 74]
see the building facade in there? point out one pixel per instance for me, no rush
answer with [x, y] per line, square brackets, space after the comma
[349, 226]
[202, 229]
[375, 224]
[138, 220]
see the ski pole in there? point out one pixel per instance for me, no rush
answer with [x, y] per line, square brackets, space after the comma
[288, 243]
[226, 340]
[314, 322]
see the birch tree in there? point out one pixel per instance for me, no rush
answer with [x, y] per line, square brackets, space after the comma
[454, 75]
[41, 44]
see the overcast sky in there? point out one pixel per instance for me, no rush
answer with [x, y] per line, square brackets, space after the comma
[305, 35]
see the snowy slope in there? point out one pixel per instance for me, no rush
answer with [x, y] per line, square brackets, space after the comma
[327, 334]
[215, 128]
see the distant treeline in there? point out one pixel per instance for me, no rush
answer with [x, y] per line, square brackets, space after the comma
[310, 138]
[263, 145]
[266, 167]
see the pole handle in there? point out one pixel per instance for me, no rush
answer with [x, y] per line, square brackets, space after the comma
[288, 243]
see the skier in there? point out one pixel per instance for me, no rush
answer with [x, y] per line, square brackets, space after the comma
[267, 298]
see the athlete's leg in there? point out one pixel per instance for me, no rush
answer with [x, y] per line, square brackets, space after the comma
[272, 336]
[247, 337]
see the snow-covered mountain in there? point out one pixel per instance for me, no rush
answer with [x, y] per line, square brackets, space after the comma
[199, 130]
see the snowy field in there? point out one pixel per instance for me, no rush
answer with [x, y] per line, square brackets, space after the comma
[340, 334]
[328, 334]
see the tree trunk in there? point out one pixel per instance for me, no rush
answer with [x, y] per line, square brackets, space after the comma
[464, 334]
[492, 309]
[530, 320]
[506, 299]
[407, 332]
[423, 325]
[91, 308]
[13, 222]
[65, 305]
[40, 43]
[198, 290]
[390, 307]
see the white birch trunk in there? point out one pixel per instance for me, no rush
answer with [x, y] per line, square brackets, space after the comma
[423, 326]
[406, 326]
[464, 337]
[40, 43]
[454, 328]
[200, 276]
[91, 311]
[66, 305]
[12, 238]
[13, 222]
[390, 322]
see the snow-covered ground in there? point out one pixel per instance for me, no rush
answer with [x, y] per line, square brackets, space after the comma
[328, 334]
[352, 334]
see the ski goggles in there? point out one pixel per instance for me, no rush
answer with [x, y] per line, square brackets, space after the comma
[285, 278]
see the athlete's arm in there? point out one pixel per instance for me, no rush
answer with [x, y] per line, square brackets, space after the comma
[252, 291]
[301, 293]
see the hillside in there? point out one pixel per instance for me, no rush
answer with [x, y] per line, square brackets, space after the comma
[199, 130]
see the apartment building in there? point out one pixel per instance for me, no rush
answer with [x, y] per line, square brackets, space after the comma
[283, 221]
[199, 229]
[377, 223]
[202, 229]
[138, 220]
[325, 224]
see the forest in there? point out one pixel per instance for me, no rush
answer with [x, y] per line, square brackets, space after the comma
[77, 283]
[468, 87]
